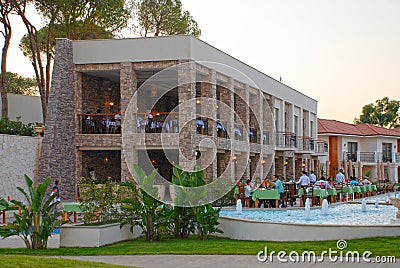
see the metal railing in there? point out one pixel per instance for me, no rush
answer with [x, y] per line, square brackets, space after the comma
[253, 135]
[158, 122]
[320, 146]
[285, 139]
[369, 157]
[99, 123]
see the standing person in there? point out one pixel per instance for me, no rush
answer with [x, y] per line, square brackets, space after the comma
[313, 178]
[339, 177]
[304, 179]
[279, 187]
[56, 191]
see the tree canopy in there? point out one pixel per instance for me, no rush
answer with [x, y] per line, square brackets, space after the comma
[21, 85]
[384, 113]
[165, 17]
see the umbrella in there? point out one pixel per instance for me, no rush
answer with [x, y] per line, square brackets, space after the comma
[327, 169]
[346, 170]
[359, 170]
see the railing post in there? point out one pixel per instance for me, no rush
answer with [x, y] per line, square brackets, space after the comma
[358, 155]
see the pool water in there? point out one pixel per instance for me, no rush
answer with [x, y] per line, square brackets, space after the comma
[343, 214]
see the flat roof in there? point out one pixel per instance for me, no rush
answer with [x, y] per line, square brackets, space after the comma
[185, 47]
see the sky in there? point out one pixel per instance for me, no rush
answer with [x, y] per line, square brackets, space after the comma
[343, 53]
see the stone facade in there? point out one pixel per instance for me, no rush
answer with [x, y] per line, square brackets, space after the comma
[19, 155]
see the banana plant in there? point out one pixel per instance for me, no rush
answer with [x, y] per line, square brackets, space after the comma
[38, 216]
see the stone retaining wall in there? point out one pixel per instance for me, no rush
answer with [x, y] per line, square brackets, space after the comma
[18, 156]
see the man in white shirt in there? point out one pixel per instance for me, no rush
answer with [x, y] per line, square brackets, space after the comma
[339, 177]
[304, 179]
[313, 178]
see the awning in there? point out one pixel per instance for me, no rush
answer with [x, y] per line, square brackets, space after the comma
[199, 123]
[220, 126]
[237, 131]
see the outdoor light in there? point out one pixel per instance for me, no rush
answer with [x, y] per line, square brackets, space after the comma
[105, 159]
[234, 157]
[153, 161]
[285, 163]
[303, 165]
[263, 161]
[217, 107]
[198, 101]
[111, 103]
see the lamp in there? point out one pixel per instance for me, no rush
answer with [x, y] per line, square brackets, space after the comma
[263, 161]
[197, 101]
[105, 159]
[153, 161]
[234, 157]
[303, 164]
[285, 163]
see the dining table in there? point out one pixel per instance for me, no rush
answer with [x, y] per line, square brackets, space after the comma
[71, 208]
[265, 194]
[321, 193]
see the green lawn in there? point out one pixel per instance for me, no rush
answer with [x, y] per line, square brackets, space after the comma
[382, 246]
[17, 261]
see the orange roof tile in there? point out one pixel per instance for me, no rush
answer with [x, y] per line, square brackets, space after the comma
[337, 127]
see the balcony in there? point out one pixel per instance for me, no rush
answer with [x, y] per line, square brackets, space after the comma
[99, 123]
[369, 157]
[285, 140]
[320, 147]
[159, 122]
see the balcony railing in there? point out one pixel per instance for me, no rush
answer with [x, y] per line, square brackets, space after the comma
[369, 157]
[285, 139]
[158, 122]
[253, 135]
[100, 123]
[321, 147]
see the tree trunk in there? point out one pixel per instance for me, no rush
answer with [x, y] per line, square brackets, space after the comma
[3, 89]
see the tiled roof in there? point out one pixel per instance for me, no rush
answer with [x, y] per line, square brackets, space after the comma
[337, 127]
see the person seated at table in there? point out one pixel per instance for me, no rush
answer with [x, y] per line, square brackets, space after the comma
[323, 184]
[340, 177]
[353, 181]
[366, 181]
[266, 183]
[257, 183]
[279, 187]
[248, 189]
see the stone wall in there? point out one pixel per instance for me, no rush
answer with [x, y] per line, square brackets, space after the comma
[18, 156]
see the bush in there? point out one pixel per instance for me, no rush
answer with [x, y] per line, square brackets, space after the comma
[16, 128]
[100, 202]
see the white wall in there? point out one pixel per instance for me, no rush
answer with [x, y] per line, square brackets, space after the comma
[29, 108]
[18, 156]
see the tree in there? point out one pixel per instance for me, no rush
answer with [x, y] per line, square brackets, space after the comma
[384, 113]
[165, 17]
[73, 19]
[21, 85]
[6, 7]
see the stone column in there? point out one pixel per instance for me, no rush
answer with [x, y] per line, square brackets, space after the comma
[58, 153]
[128, 87]
[187, 112]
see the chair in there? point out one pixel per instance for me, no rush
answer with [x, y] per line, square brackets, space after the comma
[241, 196]
[291, 193]
[339, 189]
[310, 194]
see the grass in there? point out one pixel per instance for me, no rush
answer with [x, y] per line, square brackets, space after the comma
[380, 246]
[18, 261]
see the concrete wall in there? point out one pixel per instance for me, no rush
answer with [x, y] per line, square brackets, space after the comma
[18, 156]
[29, 108]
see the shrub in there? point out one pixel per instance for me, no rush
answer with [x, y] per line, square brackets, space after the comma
[16, 128]
[100, 202]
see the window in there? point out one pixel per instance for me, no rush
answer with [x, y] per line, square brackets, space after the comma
[352, 148]
[312, 129]
[296, 125]
[386, 152]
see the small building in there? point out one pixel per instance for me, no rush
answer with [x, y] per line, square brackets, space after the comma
[181, 101]
[361, 149]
